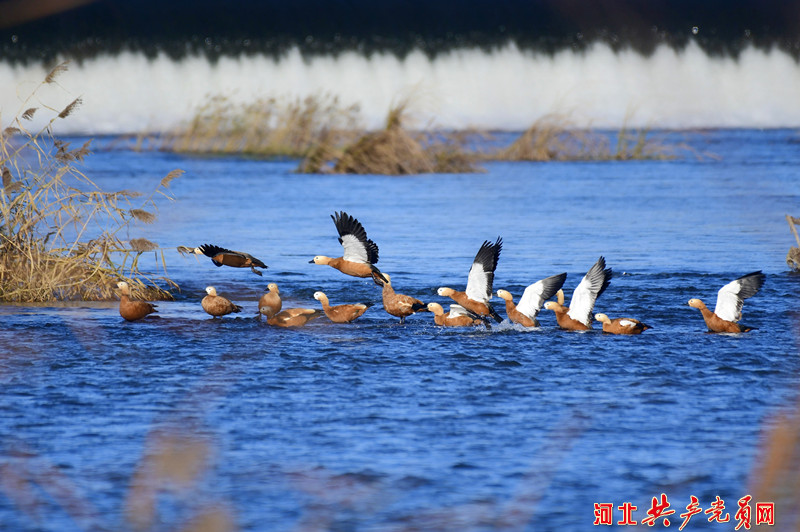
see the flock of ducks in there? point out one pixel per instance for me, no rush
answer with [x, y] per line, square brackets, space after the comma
[470, 307]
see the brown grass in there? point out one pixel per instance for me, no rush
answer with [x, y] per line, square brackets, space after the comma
[60, 234]
[393, 150]
[555, 138]
[267, 127]
[326, 136]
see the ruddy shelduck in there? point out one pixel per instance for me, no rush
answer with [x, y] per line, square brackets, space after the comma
[621, 325]
[458, 316]
[730, 299]
[534, 296]
[293, 317]
[225, 257]
[270, 303]
[132, 310]
[360, 253]
[217, 305]
[578, 316]
[479, 282]
[399, 305]
[340, 313]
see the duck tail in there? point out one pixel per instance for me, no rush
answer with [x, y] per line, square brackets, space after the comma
[419, 307]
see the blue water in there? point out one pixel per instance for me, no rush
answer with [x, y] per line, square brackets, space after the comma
[381, 426]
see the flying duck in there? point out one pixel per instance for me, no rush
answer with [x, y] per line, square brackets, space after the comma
[340, 313]
[578, 316]
[621, 325]
[457, 317]
[360, 253]
[730, 299]
[532, 299]
[270, 303]
[225, 257]
[218, 305]
[399, 305]
[293, 317]
[132, 310]
[479, 282]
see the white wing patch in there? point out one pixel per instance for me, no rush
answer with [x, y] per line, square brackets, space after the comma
[479, 285]
[729, 304]
[582, 302]
[354, 249]
[531, 301]
[457, 310]
[627, 323]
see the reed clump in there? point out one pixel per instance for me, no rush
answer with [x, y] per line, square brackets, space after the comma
[267, 127]
[60, 234]
[394, 150]
[554, 137]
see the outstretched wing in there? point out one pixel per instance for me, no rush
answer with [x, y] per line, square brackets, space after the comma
[353, 238]
[593, 284]
[481, 274]
[210, 250]
[536, 294]
[730, 297]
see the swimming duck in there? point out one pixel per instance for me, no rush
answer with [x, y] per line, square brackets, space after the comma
[293, 317]
[730, 299]
[132, 310]
[532, 299]
[225, 257]
[578, 316]
[270, 303]
[399, 305]
[458, 316]
[360, 253]
[621, 325]
[340, 313]
[218, 305]
[479, 282]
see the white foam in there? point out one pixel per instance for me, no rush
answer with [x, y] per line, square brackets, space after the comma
[506, 89]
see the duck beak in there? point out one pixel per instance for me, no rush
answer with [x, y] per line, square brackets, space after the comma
[311, 261]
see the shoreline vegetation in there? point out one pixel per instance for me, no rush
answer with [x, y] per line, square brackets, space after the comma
[60, 234]
[326, 137]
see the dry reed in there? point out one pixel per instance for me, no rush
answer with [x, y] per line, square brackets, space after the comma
[327, 138]
[555, 138]
[267, 127]
[393, 150]
[60, 234]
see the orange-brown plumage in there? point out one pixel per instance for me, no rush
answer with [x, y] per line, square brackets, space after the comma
[453, 319]
[399, 305]
[270, 303]
[621, 325]
[216, 305]
[132, 310]
[293, 317]
[340, 313]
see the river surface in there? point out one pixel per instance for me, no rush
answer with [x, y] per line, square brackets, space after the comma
[375, 425]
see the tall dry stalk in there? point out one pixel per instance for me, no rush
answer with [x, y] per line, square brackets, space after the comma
[267, 127]
[60, 234]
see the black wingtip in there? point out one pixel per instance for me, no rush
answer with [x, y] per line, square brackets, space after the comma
[377, 273]
[489, 254]
[751, 284]
[494, 314]
[419, 307]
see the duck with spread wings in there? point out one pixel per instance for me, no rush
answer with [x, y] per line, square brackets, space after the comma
[360, 253]
[479, 282]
